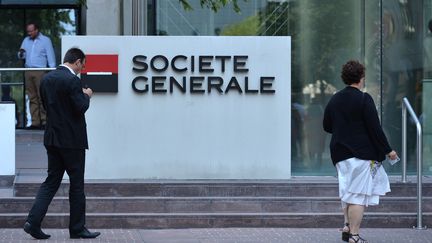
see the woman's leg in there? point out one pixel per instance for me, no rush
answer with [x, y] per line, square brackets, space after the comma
[346, 227]
[355, 216]
[345, 212]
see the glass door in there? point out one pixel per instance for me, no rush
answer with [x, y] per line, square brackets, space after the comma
[53, 22]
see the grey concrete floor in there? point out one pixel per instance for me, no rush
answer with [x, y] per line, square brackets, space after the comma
[230, 235]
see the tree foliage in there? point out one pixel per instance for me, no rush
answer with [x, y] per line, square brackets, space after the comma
[214, 5]
[52, 22]
[248, 27]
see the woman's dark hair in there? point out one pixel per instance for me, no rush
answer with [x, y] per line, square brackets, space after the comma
[352, 72]
[73, 54]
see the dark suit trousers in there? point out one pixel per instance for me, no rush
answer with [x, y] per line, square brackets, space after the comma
[60, 160]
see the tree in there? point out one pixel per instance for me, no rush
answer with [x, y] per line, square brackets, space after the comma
[214, 5]
[53, 23]
[249, 27]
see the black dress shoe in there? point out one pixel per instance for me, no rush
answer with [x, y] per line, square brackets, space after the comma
[35, 232]
[85, 234]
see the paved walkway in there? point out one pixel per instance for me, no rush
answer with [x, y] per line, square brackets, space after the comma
[231, 235]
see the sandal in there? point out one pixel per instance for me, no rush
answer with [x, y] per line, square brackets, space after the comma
[346, 234]
[355, 238]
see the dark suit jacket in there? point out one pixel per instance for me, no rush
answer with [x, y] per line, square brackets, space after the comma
[352, 119]
[65, 105]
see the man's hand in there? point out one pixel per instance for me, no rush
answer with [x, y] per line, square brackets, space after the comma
[88, 92]
[392, 155]
[21, 54]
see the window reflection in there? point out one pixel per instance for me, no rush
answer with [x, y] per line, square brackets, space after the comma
[325, 34]
[426, 87]
[402, 67]
[53, 23]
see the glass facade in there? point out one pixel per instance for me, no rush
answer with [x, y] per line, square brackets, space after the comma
[53, 22]
[425, 86]
[390, 37]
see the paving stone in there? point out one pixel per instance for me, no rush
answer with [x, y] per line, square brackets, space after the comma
[227, 235]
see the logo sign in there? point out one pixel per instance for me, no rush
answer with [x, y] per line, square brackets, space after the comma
[203, 79]
[188, 107]
[101, 73]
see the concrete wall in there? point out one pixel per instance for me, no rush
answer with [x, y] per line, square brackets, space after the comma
[103, 17]
[189, 135]
[7, 139]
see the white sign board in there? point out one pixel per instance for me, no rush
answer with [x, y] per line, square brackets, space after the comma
[200, 108]
[7, 139]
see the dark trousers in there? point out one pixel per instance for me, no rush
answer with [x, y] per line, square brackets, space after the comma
[60, 160]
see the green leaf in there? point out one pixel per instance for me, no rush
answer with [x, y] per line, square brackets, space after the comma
[186, 5]
[214, 5]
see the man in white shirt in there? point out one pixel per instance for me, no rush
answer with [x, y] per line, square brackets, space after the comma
[38, 52]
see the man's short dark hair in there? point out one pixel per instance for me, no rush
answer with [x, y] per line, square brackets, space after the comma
[352, 72]
[36, 26]
[73, 54]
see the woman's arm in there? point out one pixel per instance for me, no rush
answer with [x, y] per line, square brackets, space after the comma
[373, 125]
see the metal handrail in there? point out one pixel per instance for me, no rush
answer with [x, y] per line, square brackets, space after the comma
[21, 83]
[10, 83]
[406, 106]
[25, 69]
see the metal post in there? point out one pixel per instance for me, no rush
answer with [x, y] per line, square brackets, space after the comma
[419, 177]
[404, 142]
[406, 106]
[139, 17]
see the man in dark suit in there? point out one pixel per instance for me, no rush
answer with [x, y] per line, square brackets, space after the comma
[65, 140]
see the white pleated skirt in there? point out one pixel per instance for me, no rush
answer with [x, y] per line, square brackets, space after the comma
[361, 182]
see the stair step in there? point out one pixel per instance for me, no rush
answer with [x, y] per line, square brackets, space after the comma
[218, 220]
[213, 205]
[216, 203]
[6, 181]
[224, 189]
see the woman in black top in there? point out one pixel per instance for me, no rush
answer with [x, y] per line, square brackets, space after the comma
[357, 147]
